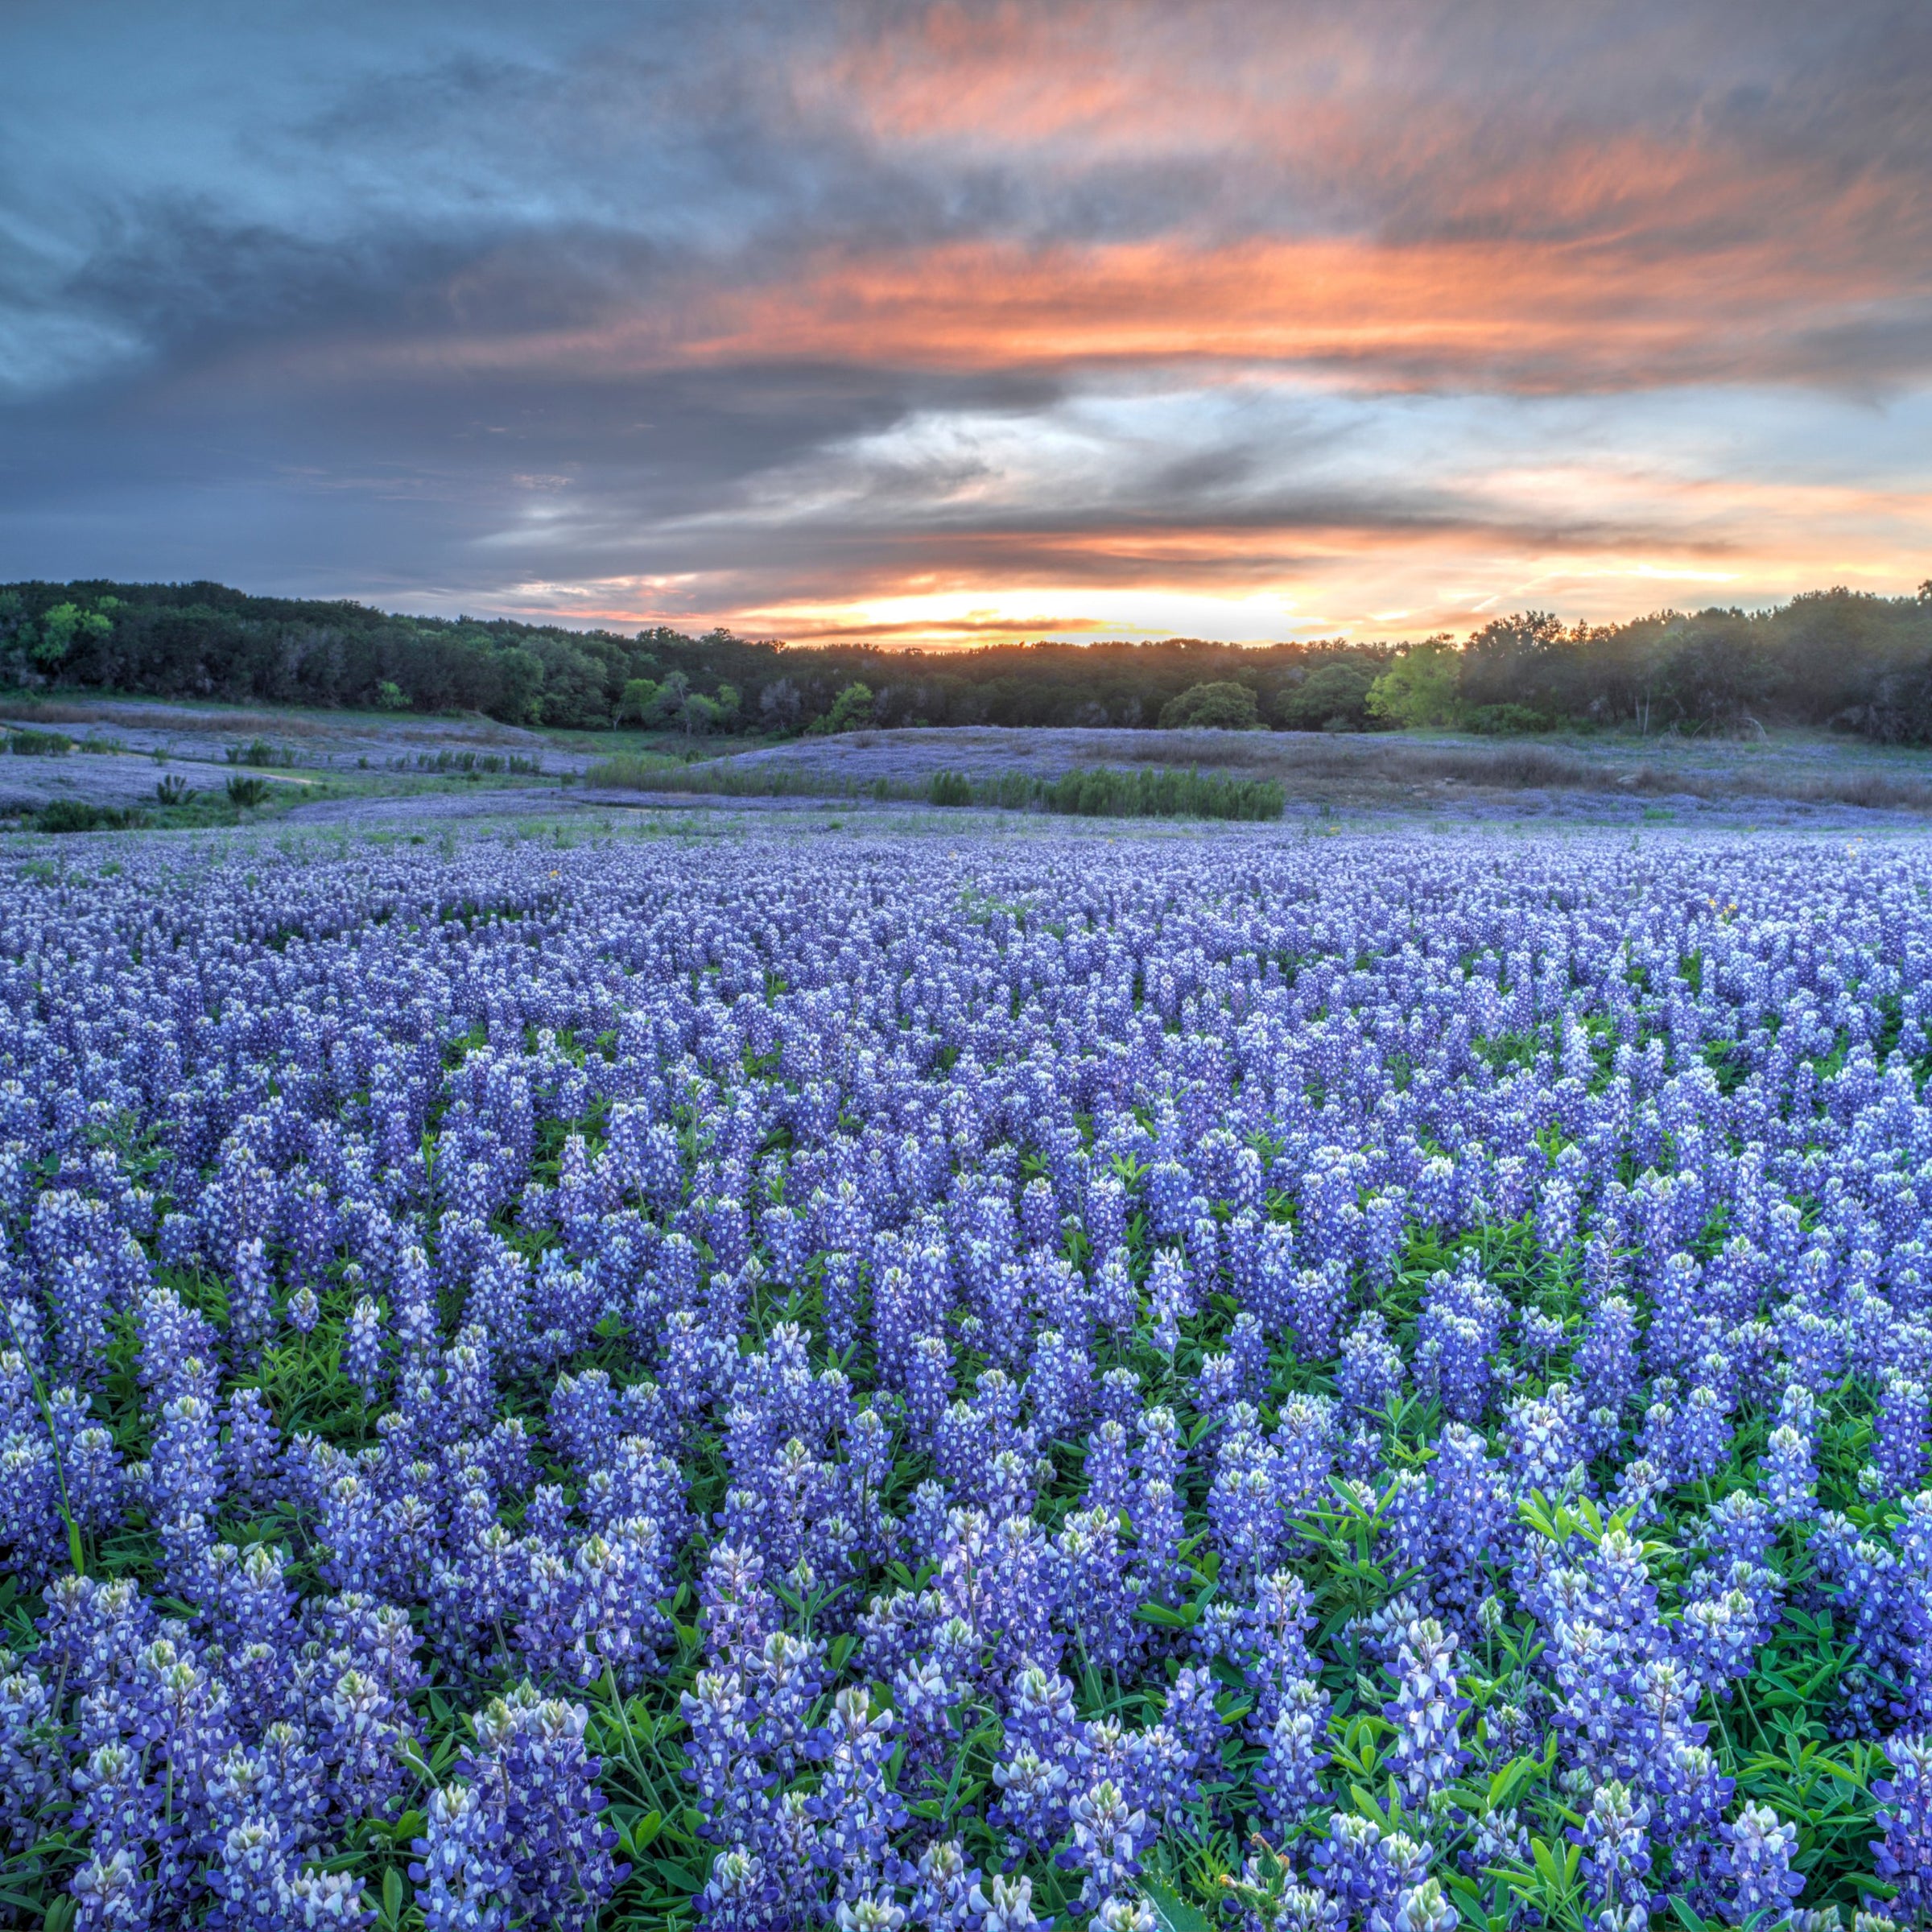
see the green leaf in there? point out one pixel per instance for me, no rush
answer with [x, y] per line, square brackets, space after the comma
[1548, 1867]
[1168, 1620]
[1171, 1912]
[392, 1896]
[1506, 1780]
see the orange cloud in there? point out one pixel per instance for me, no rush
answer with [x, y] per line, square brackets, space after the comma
[1485, 313]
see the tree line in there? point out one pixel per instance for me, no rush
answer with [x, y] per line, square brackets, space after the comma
[1837, 658]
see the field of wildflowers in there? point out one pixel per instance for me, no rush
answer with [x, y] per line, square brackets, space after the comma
[1262, 1382]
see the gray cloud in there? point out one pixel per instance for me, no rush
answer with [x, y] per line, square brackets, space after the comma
[399, 300]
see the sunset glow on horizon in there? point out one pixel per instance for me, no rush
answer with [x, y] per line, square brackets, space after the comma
[944, 325]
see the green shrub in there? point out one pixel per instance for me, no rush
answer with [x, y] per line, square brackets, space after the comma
[1502, 721]
[25, 744]
[851, 710]
[175, 791]
[72, 815]
[1224, 706]
[1102, 793]
[246, 792]
[1334, 697]
[1419, 688]
[1147, 793]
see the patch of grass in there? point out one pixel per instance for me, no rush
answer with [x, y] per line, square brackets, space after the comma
[630, 773]
[72, 815]
[1104, 792]
[259, 752]
[24, 743]
[470, 763]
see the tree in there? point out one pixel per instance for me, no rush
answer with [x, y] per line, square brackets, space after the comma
[519, 682]
[61, 626]
[667, 706]
[1419, 688]
[1335, 698]
[1714, 671]
[780, 705]
[851, 710]
[1224, 706]
[700, 714]
[1512, 660]
[639, 694]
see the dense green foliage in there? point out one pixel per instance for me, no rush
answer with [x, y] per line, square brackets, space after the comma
[1226, 706]
[1162, 795]
[1833, 657]
[1104, 792]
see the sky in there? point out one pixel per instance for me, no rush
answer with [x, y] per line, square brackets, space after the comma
[944, 324]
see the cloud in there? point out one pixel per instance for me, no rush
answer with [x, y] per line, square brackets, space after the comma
[875, 316]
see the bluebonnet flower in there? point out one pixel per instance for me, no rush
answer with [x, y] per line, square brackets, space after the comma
[1248, 1501]
[32, 1531]
[952, 1137]
[110, 1892]
[1702, 1437]
[1904, 1853]
[1100, 1592]
[1173, 1296]
[721, 1756]
[855, 1809]
[1615, 1842]
[1754, 1868]
[1689, 1794]
[1034, 1774]
[1288, 1781]
[1604, 1364]
[1899, 1429]
[1109, 1834]
[1116, 1299]
[1365, 1870]
[534, 1774]
[1125, 1915]
[1469, 1515]
[1721, 1635]
[740, 1895]
[1547, 1440]
[29, 1750]
[360, 1733]
[1003, 1905]
[1426, 1711]
[1456, 1339]
[1193, 1715]
[945, 1882]
[1370, 1372]
[1059, 1384]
